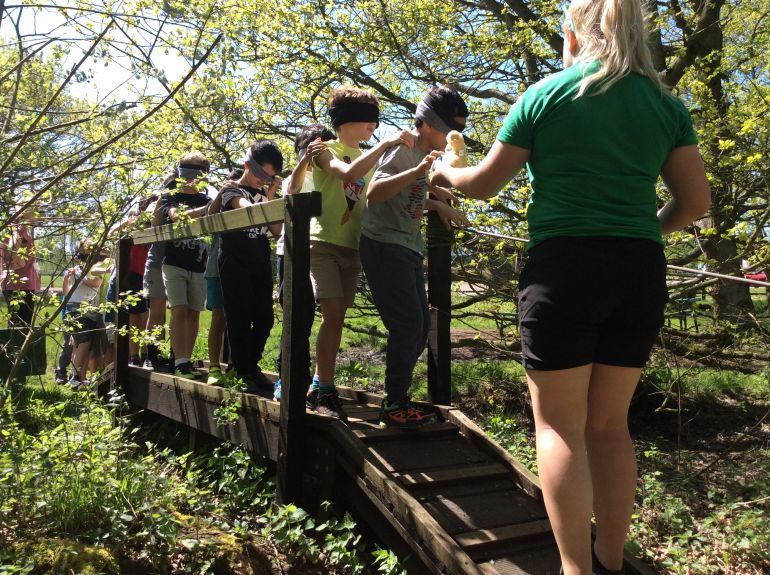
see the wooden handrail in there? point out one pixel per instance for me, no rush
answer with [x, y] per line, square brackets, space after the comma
[230, 221]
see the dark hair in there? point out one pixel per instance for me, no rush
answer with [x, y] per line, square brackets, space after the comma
[310, 133]
[447, 103]
[235, 174]
[267, 152]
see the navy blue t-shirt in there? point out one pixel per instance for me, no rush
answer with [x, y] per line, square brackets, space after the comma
[190, 254]
[250, 246]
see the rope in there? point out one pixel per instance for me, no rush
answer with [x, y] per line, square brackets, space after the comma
[669, 266]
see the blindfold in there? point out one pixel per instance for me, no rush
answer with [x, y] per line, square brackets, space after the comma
[257, 170]
[191, 171]
[429, 116]
[354, 112]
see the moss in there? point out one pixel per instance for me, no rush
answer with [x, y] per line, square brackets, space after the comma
[66, 556]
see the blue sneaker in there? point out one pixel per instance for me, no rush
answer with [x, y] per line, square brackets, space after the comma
[277, 390]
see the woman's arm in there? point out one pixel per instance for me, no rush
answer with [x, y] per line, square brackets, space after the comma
[685, 177]
[499, 166]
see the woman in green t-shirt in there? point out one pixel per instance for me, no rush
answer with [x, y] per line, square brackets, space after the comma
[594, 137]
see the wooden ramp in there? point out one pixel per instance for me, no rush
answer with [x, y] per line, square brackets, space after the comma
[447, 499]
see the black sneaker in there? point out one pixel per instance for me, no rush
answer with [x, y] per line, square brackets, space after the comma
[329, 404]
[311, 399]
[406, 415]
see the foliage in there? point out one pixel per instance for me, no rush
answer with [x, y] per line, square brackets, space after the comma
[110, 492]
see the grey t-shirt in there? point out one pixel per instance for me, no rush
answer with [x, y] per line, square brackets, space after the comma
[397, 221]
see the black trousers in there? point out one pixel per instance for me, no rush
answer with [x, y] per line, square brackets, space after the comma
[248, 299]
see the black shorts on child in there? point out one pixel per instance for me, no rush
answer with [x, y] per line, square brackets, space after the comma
[591, 299]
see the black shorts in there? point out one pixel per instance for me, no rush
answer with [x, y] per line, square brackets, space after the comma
[135, 287]
[586, 300]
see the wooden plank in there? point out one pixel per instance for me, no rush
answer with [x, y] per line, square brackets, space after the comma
[404, 456]
[435, 478]
[486, 539]
[440, 301]
[528, 481]
[295, 351]
[542, 560]
[369, 511]
[483, 510]
[256, 428]
[440, 429]
[230, 221]
[421, 526]
[121, 341]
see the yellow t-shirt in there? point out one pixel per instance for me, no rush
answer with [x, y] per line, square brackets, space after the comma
[341, 202]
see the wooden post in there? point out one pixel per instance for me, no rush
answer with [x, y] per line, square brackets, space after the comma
[120, 367]
[296, 347]
[440, 301]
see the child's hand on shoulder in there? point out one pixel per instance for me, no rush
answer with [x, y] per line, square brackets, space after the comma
[403, 137]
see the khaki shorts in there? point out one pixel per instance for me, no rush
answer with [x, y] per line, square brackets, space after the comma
[184, 287]
[334, 271]
[153, 284]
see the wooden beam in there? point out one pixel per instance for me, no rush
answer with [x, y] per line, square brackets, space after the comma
[295, 352]
[230, 221]
[120, 359]
[440, 301]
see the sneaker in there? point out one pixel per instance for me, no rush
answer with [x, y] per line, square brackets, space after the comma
[329, 404]
[263, 381]
[60, 379]
[148, 365]
[259, 384]
[75, 383]
[277, 390]
[311, 399]
[405, 415]
[215, 374]
[186, 371]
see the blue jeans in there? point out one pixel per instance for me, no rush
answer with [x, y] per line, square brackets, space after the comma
[397, 282]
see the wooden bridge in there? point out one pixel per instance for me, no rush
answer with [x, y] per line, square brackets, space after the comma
[446, 499]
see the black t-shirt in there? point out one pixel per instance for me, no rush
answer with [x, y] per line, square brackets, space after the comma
[250, 246]
[189, 254]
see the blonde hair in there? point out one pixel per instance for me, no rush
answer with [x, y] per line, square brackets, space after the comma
[614, 33]
[195, 158]
[346, 93]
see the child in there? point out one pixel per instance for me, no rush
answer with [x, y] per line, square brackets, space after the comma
[214, 297]
[244, 265]
[185, 262]
[392, 248]
[154, 290]
[344, 172]
[308, 144]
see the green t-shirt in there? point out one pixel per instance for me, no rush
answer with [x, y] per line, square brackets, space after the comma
[397, 221]
[341, 202]
[595, 160]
